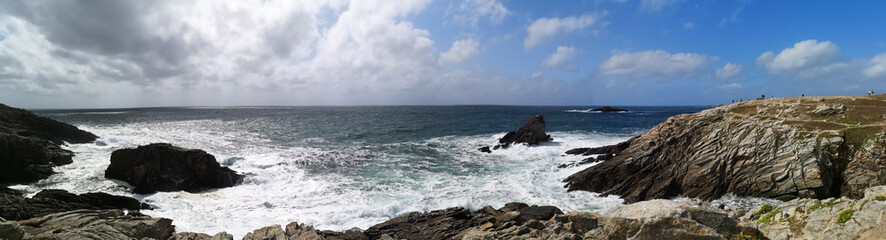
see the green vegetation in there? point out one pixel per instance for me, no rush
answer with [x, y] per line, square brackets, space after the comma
[815, 125]
[830, 203]
[736, 117]
[880, 198]
[846, 120]
[857, 136]
[769, 217]
[845, 215]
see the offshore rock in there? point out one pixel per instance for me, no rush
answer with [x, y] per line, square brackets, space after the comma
[17, 207]
[833, 218]
[532, 132]
[95, 224]
[30, 145]
[163, 167]
[608, 109]
[774, 148]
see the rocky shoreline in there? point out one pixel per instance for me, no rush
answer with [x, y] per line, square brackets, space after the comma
[823, 156]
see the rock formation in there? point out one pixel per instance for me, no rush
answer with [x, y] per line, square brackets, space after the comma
[17, 207]
[533, 132]
[608, 109]
[29, 145]
[832, 218]
[781, 148]
[88, 224]
[163, 167]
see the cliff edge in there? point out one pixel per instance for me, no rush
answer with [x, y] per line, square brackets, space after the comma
[783, 148]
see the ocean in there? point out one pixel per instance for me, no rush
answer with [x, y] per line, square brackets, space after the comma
[344, 167]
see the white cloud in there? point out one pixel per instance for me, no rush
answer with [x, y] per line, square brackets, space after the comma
[802, 56]
[728, 71]
[545, 28]
[688, 25]
[470, 12]
[654, 63]
[877, 67]
[460, 51]
[561, 58]
[657, 5]
[730, 86]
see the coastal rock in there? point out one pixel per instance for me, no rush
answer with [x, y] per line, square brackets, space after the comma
[163, 167]
[296, 231]
[532, 132]
[439, 224]
[833, 218]
[17, 207]
[201, 236]
[608, 109]
[774, 148]
[30, 145]
[95, 224]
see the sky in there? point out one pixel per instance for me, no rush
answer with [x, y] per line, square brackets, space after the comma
[115, 54]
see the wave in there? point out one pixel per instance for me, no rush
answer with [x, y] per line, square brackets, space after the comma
[591, 111]
[337, 185]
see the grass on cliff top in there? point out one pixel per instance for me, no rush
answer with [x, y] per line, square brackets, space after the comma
[815, 125]
[857, 136]
[744, 109]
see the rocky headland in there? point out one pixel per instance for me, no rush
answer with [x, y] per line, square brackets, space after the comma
[30, 145]
[783, 148]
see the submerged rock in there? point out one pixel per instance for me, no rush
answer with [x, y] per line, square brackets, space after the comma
[30, 145]
[163, 167]
[777, 148]
[17, 207]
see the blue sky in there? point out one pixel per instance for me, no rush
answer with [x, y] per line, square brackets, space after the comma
[71, 54]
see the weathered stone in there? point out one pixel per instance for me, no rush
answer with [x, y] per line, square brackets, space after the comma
[440, 224]
[96, 224]
[532, 132]
[163, 167]
[774, 148]
[16, 207]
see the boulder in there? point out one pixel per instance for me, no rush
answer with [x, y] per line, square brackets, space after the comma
[778, 148]
[439, 224]
[608, 109]
[30, 145]
[17, 207]
[163, 167]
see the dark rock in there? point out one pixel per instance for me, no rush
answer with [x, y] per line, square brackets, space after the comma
[532, 132]
[6, 190]
[611, 149]
[485, 149]
[440, 224]
[608, 109]
[29, 145]
[538, 213]
[16, 207]
[512, 206]
[163, 167]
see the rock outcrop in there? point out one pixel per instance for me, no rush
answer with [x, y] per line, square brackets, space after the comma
[163, 167]
[533, 132]
[88, 224]
[782, 148]
[17, 207]
[608, 109]
[832, 218]
[30, 145]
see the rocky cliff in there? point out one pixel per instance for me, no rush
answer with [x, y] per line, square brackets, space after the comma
[784, 148]
[30, 145]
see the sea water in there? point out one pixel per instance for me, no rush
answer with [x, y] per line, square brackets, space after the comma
[344, 167]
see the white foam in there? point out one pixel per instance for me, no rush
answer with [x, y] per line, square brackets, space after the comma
[351, 193]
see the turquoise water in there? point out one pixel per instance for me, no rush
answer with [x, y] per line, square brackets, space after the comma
[344, 167]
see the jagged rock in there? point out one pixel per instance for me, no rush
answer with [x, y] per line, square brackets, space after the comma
[833, 218]
[96, 224]
[296, 231]
[532, 132]
[485, 149]
[29, 145]
[11, 231]
[777, 148]
[611, 149]
[608, 109]
[163, 167]
[825, 110]
[17, 207]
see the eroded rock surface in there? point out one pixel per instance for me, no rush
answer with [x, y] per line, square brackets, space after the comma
[163, 167]
[95, 224]
[17, 207]
[775, 148]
